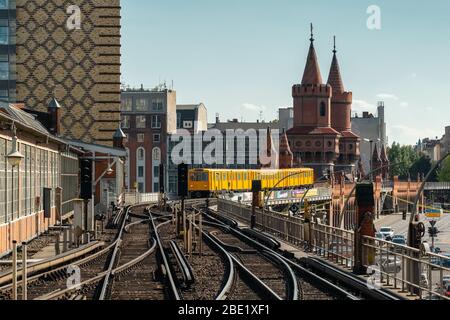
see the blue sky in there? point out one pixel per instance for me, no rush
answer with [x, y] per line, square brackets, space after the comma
[242, 56]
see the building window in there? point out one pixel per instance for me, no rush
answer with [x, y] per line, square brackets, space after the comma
[4, 70]
[127, 169]
[125, 122]
[127, 104]
[323, 109]
[157, 138]
[140, 169]
[178, 120]
[140, 137]
[156, 154]
[156, 172]
[141, 104]
[4, 4]
[140, 122]
[187, 124]
[157, 105]
[156, 122]
[4, 32]
[141, 154]
[140, 172]
[156, 187]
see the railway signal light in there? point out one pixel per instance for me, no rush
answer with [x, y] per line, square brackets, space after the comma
[183, 180]
[86, 179]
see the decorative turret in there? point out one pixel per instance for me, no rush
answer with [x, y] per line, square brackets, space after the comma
[271, 151]
[119, 139]
[54, 112]
[376, 162]
[385, 162]
[312, 105]
[341, 102]
[286, 158]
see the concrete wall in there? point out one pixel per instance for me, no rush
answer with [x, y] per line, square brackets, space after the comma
[371, 129]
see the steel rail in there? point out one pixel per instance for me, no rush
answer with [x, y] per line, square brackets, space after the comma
[114, 254]
[170, 278]
[299, 268]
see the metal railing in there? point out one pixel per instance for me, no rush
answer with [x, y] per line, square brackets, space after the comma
[437, 186]
[337, 245]
[391, 262]
[133, 198]
[332, 243]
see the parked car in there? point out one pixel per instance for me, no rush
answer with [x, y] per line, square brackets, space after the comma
[391, 265]
[387, 232]
[424, 280]
[447, 290]
[437, 261]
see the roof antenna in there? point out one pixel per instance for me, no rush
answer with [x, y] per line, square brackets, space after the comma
[312, 33]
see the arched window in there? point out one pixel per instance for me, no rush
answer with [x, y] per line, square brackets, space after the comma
[156, 154]
[323, 109]
[140, 169]
[141, 154]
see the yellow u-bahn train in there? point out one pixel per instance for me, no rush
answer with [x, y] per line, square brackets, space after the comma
[206, 182]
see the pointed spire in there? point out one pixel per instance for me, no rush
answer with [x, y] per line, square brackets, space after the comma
[312, 75]
[384, 156]
[334, 78]
[286, 155]
[376, 158]
[54, 104]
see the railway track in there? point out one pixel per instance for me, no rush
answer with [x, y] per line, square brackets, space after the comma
[140, 277]
[99, 268]
[249, 274]
[310, 285]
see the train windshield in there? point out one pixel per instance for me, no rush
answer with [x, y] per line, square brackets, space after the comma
[199, 176]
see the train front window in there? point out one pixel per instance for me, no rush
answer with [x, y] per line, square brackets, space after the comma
[199, 176]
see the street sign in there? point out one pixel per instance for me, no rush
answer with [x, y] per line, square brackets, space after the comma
[294, 208]
[433, 213]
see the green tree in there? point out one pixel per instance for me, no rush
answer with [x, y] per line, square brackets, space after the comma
[422, 166]
[444, 173]
[404, 156]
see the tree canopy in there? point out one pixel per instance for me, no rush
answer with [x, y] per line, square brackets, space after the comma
[444, 173]
[404, 157]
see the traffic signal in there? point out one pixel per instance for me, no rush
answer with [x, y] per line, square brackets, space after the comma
[183, 180]
[86, 179]
[433, 231]
[161, 179]
[404, 215]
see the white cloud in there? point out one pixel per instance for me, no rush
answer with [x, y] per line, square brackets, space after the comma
[253, 107]
[404, 104]
[362, 105]
[387, 96]
[410, 135]
[414, 75]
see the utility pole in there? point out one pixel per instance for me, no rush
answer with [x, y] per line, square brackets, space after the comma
[14, 271]
[256, 190]
[24, 272]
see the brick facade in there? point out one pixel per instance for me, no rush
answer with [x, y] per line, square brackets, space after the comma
[80, 68]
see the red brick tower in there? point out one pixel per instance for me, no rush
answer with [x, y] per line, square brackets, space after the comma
[341, 109]
[312, 138]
